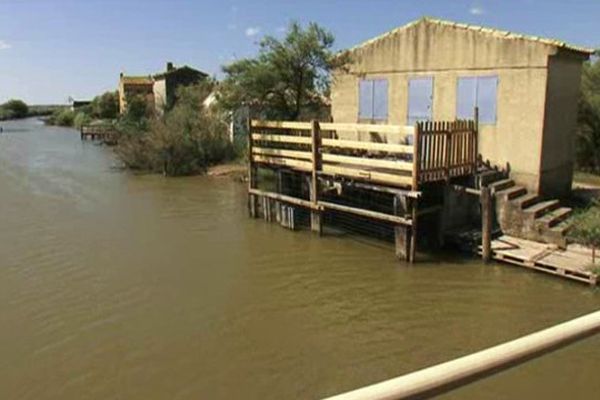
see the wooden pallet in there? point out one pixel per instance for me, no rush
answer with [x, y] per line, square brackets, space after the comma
[572, 263]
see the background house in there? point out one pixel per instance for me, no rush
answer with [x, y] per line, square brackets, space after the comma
[135, 86]
[166, 84]
[526, 89]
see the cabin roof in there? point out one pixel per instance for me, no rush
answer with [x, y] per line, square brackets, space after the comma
[179, 69]
[501, 34]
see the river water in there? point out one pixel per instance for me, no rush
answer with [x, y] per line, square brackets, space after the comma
[116, 286]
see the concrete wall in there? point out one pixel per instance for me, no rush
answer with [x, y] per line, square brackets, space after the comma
[558, 146]
[160, 95]
[447, 53]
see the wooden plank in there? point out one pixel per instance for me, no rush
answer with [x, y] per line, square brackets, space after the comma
[390, 129]
[366, 213]
[283, 198]
[281, 138]
[398, 165]
[373, 176]
[302, 126]
[286, 162]
[358, 145]
[304, 155]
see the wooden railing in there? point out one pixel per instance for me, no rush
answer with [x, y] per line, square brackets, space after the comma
[99, 132]
[446, 149]
[442, 150]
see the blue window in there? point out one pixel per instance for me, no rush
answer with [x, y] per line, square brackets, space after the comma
[420, 99]
[480, 91]
[373, 99]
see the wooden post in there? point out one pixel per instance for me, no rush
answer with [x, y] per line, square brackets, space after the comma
[316, 224]
[449, 150]
[476, 140]
[401, 234]
[416, 156]
[486, 223]
[413, 232]
[252, 200]
[415, 187]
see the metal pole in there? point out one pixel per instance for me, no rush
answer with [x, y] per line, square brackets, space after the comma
[452, 374]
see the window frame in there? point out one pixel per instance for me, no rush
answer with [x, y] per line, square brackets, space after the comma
[423, 77]
[371, 116]
[477, 79]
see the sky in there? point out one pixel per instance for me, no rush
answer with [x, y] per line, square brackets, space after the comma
[51, 50]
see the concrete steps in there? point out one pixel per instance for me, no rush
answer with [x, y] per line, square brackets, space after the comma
[555, 217]
[527, 216]
[526, 200]
[539, 209]
[502, 184]
[512, 192]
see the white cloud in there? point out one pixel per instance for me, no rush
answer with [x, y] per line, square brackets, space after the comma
[476, 10]
[4, 45]
[252, 31]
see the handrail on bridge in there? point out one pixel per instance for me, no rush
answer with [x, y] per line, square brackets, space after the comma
[440, 378]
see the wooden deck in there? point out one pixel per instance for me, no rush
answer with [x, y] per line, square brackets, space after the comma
[392, 155]
[393, 159]
[105, 133]
[573, 263]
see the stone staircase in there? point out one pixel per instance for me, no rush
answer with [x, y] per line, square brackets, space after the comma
[526, 215]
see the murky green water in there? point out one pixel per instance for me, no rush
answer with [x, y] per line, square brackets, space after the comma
[115, 286]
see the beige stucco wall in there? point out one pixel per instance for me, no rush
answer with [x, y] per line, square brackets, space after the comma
[558, 146]
[446, 53]
[160, 95]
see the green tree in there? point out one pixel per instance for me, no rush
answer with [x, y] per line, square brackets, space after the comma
[185, 141]
[106, 106]
[289, 79]
[588, 134]
[16, 108]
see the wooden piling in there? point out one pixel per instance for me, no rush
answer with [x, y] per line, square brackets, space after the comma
[316, 223]
[252, 199]
[413, 232]
[401, 232]
[486, 223]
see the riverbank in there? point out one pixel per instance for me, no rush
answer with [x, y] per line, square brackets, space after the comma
[32, 112]
[237, 170]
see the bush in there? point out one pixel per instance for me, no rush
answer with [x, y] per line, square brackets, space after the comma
[588, 132]
[80, 119]
[64, 117]
[15, 109]
[187, 140]
[105, 106]
[586, 227]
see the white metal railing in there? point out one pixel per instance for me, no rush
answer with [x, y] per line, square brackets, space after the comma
[452, 374]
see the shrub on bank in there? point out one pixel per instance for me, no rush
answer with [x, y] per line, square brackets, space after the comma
[186, 140]
[14, 109]
[63, 117]
[586, 228]
[80, 119]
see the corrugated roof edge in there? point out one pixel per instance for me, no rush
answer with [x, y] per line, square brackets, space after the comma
[492, 31]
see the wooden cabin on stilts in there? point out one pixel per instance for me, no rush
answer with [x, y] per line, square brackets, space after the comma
[320, 173]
